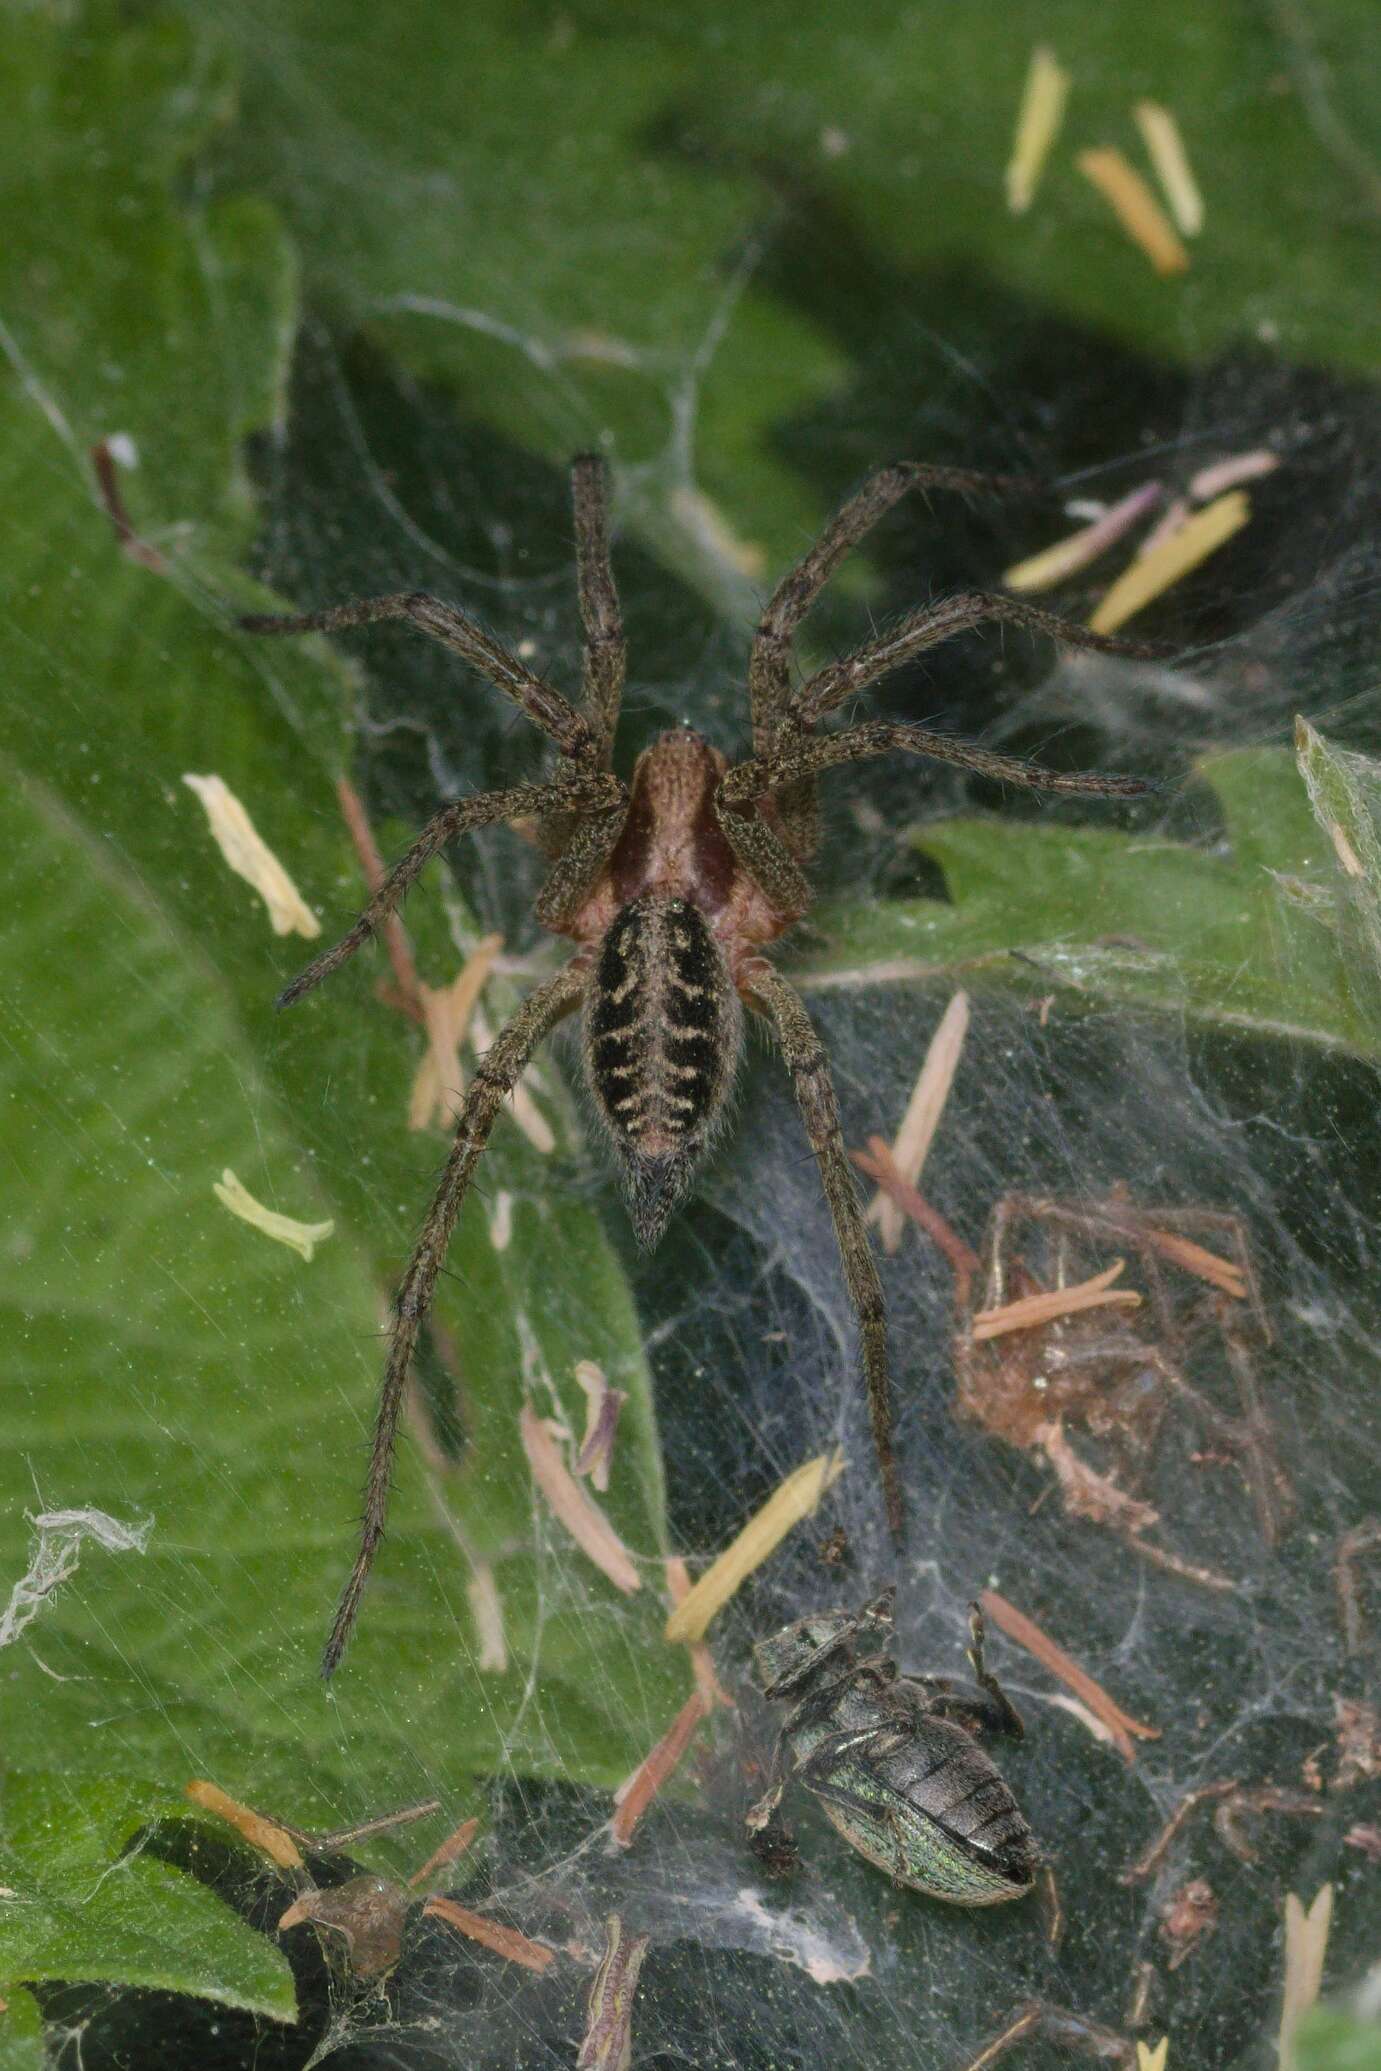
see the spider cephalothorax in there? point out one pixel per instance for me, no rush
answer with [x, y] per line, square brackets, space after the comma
[672, 887]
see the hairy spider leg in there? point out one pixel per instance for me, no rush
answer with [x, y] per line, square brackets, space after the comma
[499, 1071]
[803, 1054]
[605, 657]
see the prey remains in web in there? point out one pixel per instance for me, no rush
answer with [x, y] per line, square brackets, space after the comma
[672, 887]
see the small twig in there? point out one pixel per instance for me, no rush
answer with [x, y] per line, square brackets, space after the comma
[1073, 2031]
[965, 1263]
[1363, 1538]
[1028, 1634]
[504, 1941]
[451, 1850]
[1247, 1803]
[108, 483]
[408, 996]
[655, 1769]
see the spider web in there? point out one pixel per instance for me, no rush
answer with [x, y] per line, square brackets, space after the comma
[382, 481]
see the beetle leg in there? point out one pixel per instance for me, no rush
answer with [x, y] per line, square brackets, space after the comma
[1003, 1717]
[779, 1774]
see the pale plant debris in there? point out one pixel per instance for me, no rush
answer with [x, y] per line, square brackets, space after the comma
[608, 2041]
[701, 1659]
[1031, 1310]
[486, 1608]
[1187, 1917]
[490, 1934]
[266, 1835]
[251, 858]
[439, 1084]
[795, 1499]
[1148, 2059]
[1067, 556]
[1170, 161]
[1099, 1728]
[1366, 1838]
[55, 1556]
[1306, 1940]
[637, 1792]
[1341, 790]
[1231, 471]
[1152, 1857]
[302, 1237]
[1197, 1259]
[1138, 2006]
[706, 525]
[1039, 117]
[922, 1117]
[1150, 575]
[1051, 1655]
[410, 996]
[603, 1405]
[569, 1504]
[451, 1850]
[1136, 208]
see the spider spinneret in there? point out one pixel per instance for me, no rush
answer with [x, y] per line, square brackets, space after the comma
[671, 888]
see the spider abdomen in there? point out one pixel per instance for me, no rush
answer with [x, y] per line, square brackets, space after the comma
[662, 1032]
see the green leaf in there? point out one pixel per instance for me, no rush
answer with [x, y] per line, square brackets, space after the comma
[21, 2032]
[1330, 2040]
[167, 1361]
[1106, 917]
[1345, 791]
[84, 1905]
[567, 215]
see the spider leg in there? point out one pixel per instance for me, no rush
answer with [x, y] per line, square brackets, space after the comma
[498, 1072]
[593, 791]
[769, 664]
[605, 657]
[545, 707]
[931, 625]
[768, 993]
[751, 780]
[775, 724]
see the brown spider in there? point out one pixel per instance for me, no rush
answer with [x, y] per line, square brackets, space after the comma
[1097, 1370]
[672, 886]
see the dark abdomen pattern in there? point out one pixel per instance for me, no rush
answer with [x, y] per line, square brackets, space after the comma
[662, 1031]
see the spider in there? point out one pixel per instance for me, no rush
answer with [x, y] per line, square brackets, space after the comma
[672, 885]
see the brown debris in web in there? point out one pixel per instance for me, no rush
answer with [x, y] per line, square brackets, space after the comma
[633, 1798]
[1187, 1917]
[1051, 1655]
[503, 1941]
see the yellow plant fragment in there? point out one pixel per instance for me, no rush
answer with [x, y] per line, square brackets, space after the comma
[251, 858]
[1148, 2059]
[922, 1117]
[1038, 124]
[1306, 1938]
[1165, 148]
[261, 1833]
[710, 529]
[1033, 1309]
[1153, 573]
[1135, 207]
[299, 1236]
[796, 1498]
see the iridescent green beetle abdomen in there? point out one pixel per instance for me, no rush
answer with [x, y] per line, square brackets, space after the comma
[898, 1774]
